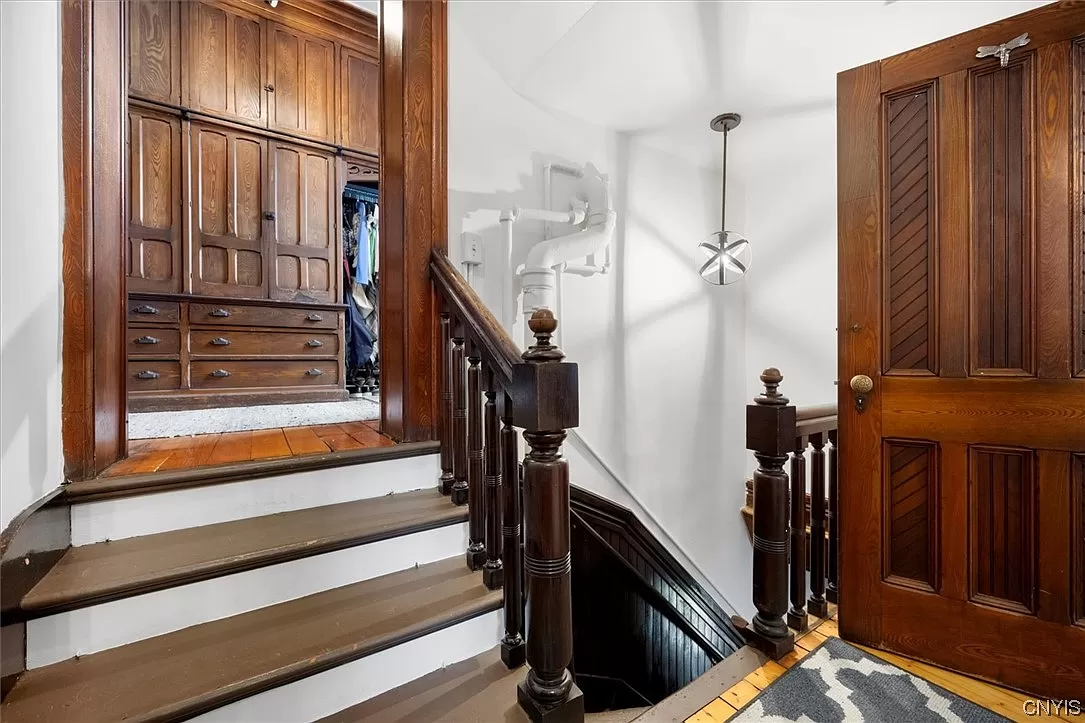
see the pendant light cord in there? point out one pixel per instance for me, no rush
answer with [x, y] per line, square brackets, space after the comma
[723, 208]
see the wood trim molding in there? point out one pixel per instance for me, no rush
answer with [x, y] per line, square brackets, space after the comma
[92, 135]
[414, 217]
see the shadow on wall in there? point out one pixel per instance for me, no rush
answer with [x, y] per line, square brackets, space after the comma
[29, 367]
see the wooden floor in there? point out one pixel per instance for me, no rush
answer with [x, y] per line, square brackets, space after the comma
[202, 450]
[1005, 702]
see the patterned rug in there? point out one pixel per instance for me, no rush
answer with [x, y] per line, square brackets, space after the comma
[838, 683]
[150, 425]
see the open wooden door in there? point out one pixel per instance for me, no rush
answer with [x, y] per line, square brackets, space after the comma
[962, 472]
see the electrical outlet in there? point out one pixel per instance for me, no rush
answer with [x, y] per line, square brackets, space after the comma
[472, 247]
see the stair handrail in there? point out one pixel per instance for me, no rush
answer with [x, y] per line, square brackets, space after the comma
[536, 391]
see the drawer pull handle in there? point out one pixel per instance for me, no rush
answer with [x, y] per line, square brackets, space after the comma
[314, 372]
[314, 343]
[146, 309]
[220, 373]
[220, 312]
[147, 340]
[220, 341]
[314, 317]
[147, 374]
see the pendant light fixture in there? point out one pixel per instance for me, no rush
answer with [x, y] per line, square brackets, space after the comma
[728, 253]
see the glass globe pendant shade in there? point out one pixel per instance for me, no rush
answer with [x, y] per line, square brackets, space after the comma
[727, 257]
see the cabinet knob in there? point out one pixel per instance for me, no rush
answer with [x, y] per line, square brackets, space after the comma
[147, 374]
[314, 372]
[269, 88]
[314, 317]
[314, 343]
[220, 341]
[146, 309]
[147, 340]
[220, 373]
[220, 312]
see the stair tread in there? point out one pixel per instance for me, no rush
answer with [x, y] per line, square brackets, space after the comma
[108, 570]
[202, 667]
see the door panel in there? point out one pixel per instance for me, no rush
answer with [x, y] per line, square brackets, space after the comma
[155, 214]
[226, 64]
[227, 174]
[301, 75]
[960, 220]
[305, 266]
[359, 89]
[154, 50]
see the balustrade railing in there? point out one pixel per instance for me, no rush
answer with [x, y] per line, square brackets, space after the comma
[795, 532]
[488, 389]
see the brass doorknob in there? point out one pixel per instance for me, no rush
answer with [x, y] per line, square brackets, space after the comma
[861, 384]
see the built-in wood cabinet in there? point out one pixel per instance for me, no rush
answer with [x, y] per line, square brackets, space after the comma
[244, 121]
[227, 62]
[359, 101]
[301, 83]
[154, 50]
[155, 212]
[228, 172]
[304, 199]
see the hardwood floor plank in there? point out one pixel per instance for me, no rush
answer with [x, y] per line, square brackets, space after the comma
[793, 657]
[337, 438]
[740, 694]
[195, 454]
[303, 440]
[269, 443]
[810, 641]
[232, 447]
[764, 675]
[366, 435]
[717, 711]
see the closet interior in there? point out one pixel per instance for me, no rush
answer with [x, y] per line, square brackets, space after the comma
[253, 182]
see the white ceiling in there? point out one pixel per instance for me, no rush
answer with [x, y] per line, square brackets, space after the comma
[661, 69]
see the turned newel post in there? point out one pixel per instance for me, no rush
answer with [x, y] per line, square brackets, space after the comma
[770, 434]
[492, 572]
[445, 360]
[545, 404]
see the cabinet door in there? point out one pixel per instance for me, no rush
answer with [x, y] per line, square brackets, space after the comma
[155, 213]
[154, 50]
[359, 89]
[305, 239]
[301, 82]
[226, 63]
[227, 170]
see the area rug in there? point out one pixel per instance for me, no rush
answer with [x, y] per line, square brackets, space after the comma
[152, 425]
[839, 683]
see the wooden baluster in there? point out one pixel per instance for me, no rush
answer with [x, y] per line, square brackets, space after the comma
[796, 616]
[476, 548]
[832, 593]
[445, 359]
[459, 422]
[512, 645]
[545, 404]
[770, 433]
[816, 605]
[492, 572]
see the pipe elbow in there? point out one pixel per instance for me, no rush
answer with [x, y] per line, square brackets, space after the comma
[591, 240]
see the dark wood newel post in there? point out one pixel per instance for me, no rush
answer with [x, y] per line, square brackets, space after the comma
[545, 404]
[445, 360]
[512, 645]
[459, 422]
[492, 573]
[832, 593]
[817, 605]
[476, 548]
[770, 434]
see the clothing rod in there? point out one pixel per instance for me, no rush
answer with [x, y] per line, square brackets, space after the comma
[361, 194]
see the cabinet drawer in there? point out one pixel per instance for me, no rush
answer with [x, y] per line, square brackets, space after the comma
[153, 312]
[146, 376]
[150, 341]
[239, 374]
[210, 342]
[239, 315]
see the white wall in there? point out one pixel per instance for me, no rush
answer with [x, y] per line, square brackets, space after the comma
[660, 351]
[783, 78]
[30, 230]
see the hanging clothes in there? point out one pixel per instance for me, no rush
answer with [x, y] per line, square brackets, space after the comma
[363, 260]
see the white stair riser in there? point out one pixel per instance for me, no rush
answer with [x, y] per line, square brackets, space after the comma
[164, 511]
[346, 685]
[100, 627]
